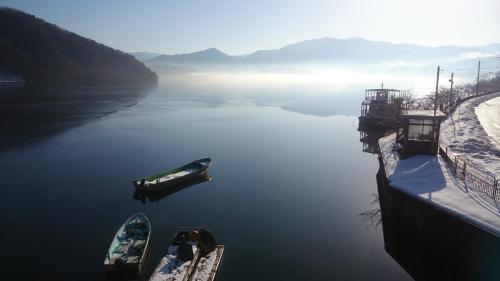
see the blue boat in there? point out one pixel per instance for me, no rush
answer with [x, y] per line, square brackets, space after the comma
[130, 245]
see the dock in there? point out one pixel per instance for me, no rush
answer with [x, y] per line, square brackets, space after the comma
[431, 179]
[436, 225]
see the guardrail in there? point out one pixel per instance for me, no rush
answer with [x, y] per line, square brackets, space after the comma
[480, 179]
[460, 100]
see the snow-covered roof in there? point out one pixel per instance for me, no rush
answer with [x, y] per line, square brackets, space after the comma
[382, 90]
[423, 113]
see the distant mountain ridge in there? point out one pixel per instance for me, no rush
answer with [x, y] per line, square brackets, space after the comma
[142, 56]
[211, 55]
[43, 53]
[327, 50]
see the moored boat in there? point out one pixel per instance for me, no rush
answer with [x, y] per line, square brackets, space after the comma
[130, 245]
[148, 196]
[208, 265]
[191, 256]
[174, 177]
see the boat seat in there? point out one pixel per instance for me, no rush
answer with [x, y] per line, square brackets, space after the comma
[122, 237]
[121, 249]
[132, 259]
[139, 244]
[133, 251]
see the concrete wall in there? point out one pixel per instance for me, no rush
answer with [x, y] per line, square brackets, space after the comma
[432, 244]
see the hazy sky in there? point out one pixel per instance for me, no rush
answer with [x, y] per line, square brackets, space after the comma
[239, 27]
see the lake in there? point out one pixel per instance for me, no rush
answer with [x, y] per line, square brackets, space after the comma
[289, 181]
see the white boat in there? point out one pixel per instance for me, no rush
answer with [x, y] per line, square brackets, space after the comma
[191, 256]
[130, 245]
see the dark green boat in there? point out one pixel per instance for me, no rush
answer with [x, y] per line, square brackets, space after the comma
[174, 177]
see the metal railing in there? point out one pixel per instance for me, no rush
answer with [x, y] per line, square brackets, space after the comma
[470, 174]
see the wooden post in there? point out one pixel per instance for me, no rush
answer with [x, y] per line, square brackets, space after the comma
[435, 109]
[437, 88]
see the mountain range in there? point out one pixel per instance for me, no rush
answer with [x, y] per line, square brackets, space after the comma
[327, 50]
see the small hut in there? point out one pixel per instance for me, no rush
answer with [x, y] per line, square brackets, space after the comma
[420, 134]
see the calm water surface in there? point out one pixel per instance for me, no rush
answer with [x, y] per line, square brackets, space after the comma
[289, 180]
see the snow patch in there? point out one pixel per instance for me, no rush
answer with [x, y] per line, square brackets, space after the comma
[474, 140]
[488, 114]
[431, 179]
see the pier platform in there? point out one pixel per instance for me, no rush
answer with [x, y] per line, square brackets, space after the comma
[432, 180]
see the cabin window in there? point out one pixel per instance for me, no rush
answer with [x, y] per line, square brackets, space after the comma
[421, 129]
[381, 95]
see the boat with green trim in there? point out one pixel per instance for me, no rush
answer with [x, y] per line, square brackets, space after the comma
[130, 245]
[174, 177]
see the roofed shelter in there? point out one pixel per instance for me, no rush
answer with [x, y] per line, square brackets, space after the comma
[420, 132]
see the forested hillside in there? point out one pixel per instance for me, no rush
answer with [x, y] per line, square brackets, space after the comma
[43, 53]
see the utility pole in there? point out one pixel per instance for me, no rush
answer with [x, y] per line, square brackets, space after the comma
[435, 109]
[451, 94]
[436, 97]
[477, 83]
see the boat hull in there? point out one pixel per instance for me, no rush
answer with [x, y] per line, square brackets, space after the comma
[200, 171]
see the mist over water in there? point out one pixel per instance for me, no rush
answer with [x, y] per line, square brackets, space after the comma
[337, 80]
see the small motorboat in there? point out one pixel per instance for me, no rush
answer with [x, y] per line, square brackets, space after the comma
[130, 245]
[192, 255]
[174, 177]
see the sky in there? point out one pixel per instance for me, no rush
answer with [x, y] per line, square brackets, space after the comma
[241, 27]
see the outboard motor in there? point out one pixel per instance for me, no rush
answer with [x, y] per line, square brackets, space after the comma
[207, 241]
[184, 250]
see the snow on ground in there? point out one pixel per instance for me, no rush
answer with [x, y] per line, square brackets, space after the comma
[429, 178]
[465, 136]
[488, 114]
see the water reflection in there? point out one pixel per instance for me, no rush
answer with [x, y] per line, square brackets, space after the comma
[145, 196]
[259, 207]
[28, 115]
[370, 137]
[373, 217]
[124, 275]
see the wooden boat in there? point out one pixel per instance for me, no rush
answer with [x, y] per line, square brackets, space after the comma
[174, 177]
[208, 266]
[191, 256]
[147, 196]
[130, 245]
